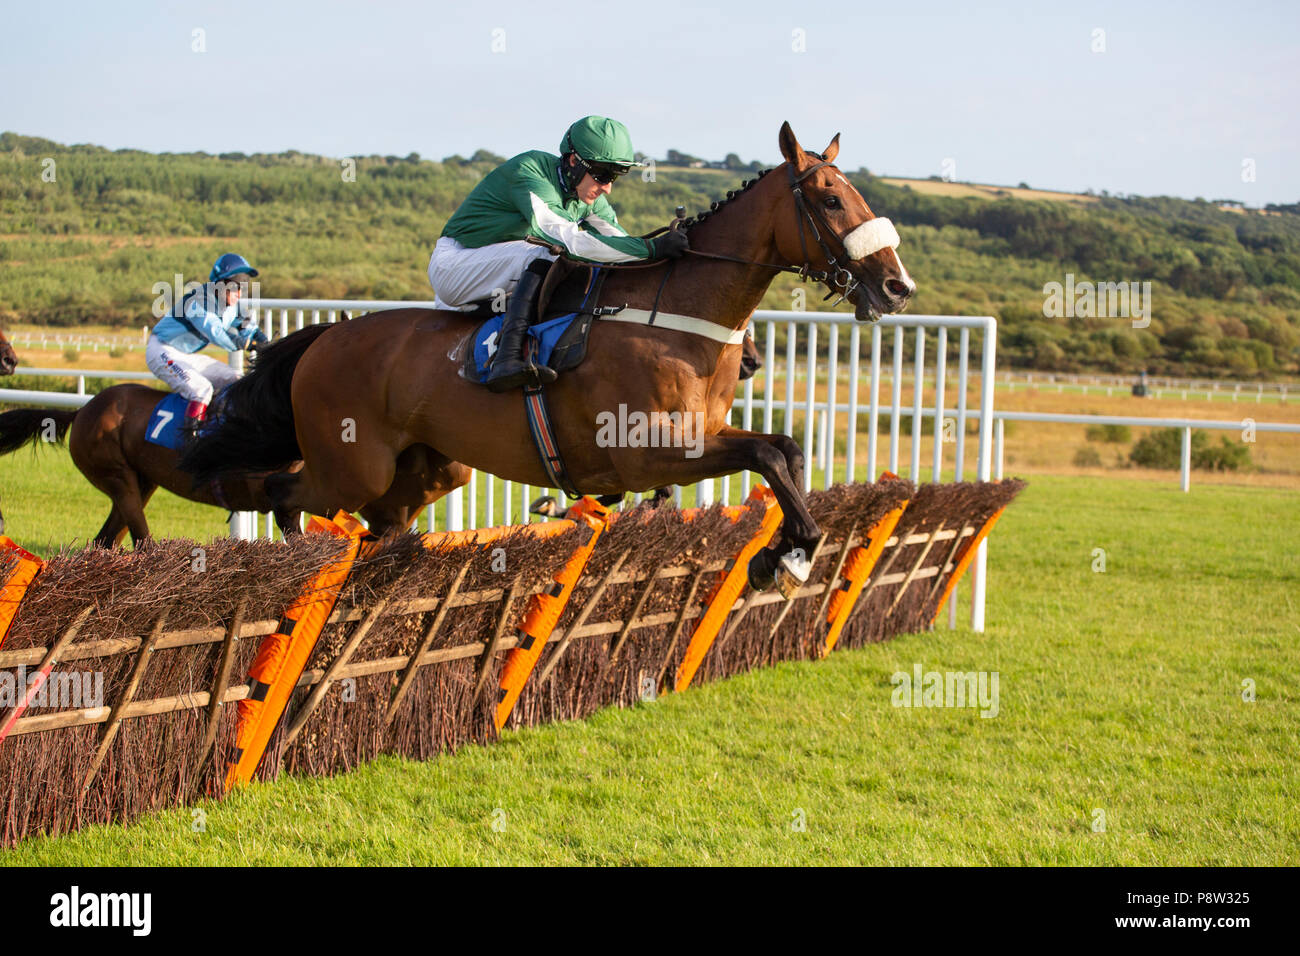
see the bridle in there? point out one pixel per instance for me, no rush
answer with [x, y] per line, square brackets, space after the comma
[806, 212]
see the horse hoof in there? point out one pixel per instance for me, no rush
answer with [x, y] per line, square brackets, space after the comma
[792, 573]
[545, 506]
[760, 579]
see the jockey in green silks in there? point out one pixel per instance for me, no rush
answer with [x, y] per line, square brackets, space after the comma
[560, 199]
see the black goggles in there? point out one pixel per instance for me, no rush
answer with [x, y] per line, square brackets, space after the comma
[604, 175]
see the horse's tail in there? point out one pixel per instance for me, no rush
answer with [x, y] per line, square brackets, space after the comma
[23, 425]
[252, 427]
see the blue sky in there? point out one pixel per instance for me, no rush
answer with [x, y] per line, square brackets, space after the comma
[1183, 94]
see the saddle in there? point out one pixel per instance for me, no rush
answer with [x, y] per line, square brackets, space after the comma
[566, 303]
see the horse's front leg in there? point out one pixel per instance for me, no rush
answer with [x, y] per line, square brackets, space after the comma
[785, 564]
[788, 559]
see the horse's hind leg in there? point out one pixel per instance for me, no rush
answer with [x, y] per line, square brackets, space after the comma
[114, 530]
[130, 493]
[422, 476]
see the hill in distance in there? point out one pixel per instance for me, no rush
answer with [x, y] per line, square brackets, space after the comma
[86, 232]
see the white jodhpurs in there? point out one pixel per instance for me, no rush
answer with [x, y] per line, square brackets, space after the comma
[460, 275]
[196, 377]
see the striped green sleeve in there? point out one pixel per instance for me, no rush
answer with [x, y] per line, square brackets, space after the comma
[602, 241]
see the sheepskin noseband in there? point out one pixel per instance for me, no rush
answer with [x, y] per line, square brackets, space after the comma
[871, 237]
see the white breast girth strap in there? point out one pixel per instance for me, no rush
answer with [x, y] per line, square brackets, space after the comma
[680, 323]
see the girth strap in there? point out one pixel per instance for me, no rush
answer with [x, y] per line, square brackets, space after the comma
[548, 449]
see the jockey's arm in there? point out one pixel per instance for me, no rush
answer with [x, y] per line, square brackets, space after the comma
[210, 324]
[540, 204]
[604, 220]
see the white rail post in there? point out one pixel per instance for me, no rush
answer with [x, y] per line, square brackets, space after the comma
[851, 439]
[940, 373]
[242, 523]
[873, 424]
[828, 426]
[896, 399]
[456, 510]
[791, 337]
[747, 423]
[471, 503]
[726, 479]
[918, 387]
[1187, 459]
[810, 398]
[704, 493]
[984, 471]
[769, 376]
[820, 442]
[963, 384]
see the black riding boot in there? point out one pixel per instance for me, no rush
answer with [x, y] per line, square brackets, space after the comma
[509, 367]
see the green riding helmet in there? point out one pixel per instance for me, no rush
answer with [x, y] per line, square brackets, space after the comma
[601, 141]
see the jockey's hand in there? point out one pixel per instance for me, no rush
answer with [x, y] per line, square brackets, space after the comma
[670, 245]
[256, 339]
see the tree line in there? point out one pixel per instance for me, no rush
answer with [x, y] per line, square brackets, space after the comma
[87, 231]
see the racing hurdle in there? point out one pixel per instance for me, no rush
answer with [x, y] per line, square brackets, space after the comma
[336, 647]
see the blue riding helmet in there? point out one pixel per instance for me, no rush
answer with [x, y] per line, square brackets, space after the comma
[229, 265]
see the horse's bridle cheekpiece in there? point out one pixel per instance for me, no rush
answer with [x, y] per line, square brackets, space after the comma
[864, 240]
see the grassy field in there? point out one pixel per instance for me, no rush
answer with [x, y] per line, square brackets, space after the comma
[939, 187]
[1122, 735]
[47, 505]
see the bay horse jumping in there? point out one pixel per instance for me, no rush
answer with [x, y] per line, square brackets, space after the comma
[106, 438]
[367, 390]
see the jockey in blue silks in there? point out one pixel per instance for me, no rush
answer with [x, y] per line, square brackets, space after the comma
[206, 316]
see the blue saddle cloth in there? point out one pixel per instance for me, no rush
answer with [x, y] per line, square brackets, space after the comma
[165, 422]
[544, 336]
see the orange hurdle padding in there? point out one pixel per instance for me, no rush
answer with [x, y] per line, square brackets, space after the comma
[544, 610]
[857, 568]
[728, 589]
[282, 656]
[967, 556]
[16, 583]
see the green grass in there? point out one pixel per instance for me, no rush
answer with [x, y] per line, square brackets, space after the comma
[1119, 691]
[48, 504]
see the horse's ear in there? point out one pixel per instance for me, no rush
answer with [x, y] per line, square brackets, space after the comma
[833, 150]
[790, 147]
